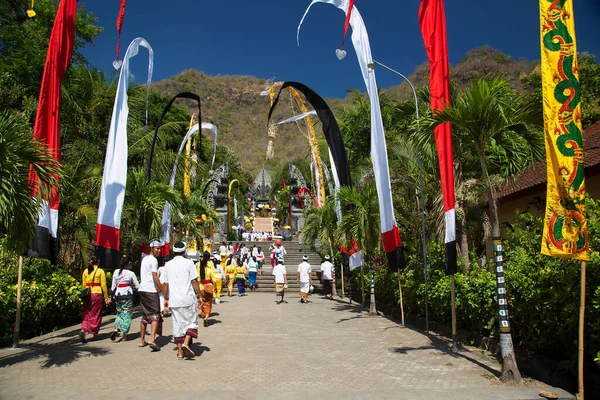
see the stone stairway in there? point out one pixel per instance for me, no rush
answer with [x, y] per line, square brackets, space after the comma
[263, 224]
[295, 251]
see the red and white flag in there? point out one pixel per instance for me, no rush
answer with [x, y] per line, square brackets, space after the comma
[114, 178]
[433, 27]
[47, 123]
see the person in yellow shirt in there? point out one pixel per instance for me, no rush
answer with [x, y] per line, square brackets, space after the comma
[230, 274]
[205, 278]
[240, 279]
[94, 279]
[218, 274]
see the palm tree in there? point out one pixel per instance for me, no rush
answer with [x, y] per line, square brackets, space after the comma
[143, 207]
[189, 210]
[361, 222]
[18, 212]
[500, 129]
[321, 223]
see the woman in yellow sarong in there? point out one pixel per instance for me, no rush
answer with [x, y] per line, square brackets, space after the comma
[217, 278]
[230, 274]
[205, 274]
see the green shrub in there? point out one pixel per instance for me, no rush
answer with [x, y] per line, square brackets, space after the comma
[49, 297]
[543, 292]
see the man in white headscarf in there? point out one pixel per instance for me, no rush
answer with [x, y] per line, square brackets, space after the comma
[182, 296]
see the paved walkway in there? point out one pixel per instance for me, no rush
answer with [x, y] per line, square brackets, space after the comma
[256, 349]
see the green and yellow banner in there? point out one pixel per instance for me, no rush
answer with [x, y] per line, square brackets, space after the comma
[565, 224]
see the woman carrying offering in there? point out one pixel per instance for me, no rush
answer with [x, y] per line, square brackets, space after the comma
[93, 278]
[205, 273]
[123, 281]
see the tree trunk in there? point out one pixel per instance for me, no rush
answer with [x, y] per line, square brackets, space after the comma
[510, 370]
[464, 244]
[333, 289]
[362, 284]
[372, 303]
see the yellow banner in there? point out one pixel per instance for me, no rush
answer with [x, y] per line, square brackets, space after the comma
[565, 224]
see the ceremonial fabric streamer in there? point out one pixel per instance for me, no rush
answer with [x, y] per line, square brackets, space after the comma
[565, 225]
[114, 178]
[331, 129]
[360, 39]
[182, 95]
[336, 181]
[187, 170]
[433, 28]
[316, 168]
[47, 123]
[117, 63]
[303, 191]
[166, 216]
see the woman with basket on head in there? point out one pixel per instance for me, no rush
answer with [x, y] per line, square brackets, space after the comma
[94, 295]
[122, 289]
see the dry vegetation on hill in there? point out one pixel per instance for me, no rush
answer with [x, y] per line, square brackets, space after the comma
[234, 104]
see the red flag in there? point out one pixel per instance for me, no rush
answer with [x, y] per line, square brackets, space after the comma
[433, 28]
[120, 18]
[347, 22]
[47, 120]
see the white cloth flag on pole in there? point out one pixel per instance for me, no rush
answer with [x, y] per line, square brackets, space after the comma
[360, 40]
[114, 178]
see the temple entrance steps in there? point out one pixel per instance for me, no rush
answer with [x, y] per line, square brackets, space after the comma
[263, 224]
[295, 251]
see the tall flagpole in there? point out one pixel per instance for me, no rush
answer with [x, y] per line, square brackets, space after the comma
[423, 213]
[581, 331]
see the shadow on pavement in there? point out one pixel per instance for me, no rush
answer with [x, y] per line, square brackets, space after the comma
[212, 322]
[443, 346]
[57, 354]
[162, 341]
[198, 349]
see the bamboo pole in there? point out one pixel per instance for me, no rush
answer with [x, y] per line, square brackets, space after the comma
[401, 299]
[581, 331]
[18, 313]
[342, 270]
[453, 299]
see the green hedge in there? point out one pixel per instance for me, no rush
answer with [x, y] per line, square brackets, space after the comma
[49, 298]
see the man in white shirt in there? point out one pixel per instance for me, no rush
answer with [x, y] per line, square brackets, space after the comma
[150, 288]
[305, 279]
[327, 270]
[280, 280]
[182, 296]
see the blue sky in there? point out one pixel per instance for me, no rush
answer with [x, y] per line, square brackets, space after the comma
[259, 37]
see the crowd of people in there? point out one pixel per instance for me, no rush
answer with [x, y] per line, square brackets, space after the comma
[257, 236]
[184, 290]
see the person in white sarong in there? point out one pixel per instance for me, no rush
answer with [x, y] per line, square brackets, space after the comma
[182, 298]
[305, 279]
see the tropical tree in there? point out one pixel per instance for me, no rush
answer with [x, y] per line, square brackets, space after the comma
[361, 223]
[18, 212]
[500, 128]
[193, 212]
[143, 207]
[321, 223]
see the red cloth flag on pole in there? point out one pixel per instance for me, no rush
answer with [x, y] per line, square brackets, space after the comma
[433, 28]
[47, 121]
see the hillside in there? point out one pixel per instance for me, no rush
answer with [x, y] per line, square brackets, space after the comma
[234, 104]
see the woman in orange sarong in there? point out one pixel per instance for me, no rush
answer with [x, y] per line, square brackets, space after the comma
[207, 289]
